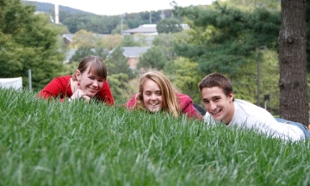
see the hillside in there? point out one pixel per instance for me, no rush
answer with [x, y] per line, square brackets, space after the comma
[49, 7]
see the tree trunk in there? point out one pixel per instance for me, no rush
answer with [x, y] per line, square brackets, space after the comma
[293, 64]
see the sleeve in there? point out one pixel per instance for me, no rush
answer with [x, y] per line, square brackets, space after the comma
[105, 94]
[187, 107]
[56, 88]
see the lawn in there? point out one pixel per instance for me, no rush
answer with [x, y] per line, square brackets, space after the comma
[75, 143]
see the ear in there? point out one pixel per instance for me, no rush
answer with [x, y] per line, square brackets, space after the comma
[231, 96]
[78, 75]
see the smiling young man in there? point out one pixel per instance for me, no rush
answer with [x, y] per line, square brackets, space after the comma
[218, 98]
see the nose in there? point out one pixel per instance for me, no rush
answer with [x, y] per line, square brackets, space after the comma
[153, 97]
[95, 83]
[212, 105]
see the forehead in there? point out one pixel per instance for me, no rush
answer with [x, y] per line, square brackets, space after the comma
[208, 93]
[150, 85]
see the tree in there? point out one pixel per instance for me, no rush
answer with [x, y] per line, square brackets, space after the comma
[292, 60]
[28, 41]
[153, 58]
[186, 77]
[81, 53]
[112, 41]
[129, 41]
[119, 29]
[169, 25]
[83, 38]
[117, 63]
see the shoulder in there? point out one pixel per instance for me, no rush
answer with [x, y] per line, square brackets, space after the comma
[63, 78]
[184, 97]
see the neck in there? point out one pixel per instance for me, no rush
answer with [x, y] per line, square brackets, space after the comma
[74, 85]
[231, 113]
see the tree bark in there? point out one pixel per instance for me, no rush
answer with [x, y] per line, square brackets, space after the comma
[293, 62]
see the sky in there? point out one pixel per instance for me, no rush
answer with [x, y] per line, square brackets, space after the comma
[117, 7]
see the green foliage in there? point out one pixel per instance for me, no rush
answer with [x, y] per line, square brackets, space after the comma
[81, 53]
[186, 77]
[28, 41]
[128, 41]
[117, 63]
[224, 38]
[120, 87]
[169, 25]
[119, 29]
[75, 143]
[153, 58]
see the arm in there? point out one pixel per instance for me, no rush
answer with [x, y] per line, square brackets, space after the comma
[187, 106]
[58, 87]
[131, 103]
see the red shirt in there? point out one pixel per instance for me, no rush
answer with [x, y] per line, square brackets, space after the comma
[185, 101]
[60, 87]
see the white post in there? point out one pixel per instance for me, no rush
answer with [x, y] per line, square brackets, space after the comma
[56, 14]
[29, 79]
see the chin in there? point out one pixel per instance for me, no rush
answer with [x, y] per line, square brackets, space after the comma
[153, 110]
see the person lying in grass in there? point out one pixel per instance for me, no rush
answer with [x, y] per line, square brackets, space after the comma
[156, 93]
[218, 98]
[88, 82]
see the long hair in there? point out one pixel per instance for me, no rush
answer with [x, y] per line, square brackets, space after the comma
[94, 64]
[170, 101]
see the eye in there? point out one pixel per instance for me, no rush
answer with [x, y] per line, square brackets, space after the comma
[158, 93]
[147, 93]
[205, 101]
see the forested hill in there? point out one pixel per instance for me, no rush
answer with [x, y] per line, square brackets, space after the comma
[49, 8]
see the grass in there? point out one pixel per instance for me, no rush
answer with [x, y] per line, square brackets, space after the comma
[53, 143]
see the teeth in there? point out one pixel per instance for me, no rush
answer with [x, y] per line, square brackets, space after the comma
[215, 112]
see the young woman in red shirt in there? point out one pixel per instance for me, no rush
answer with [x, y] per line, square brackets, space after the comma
[88, 82]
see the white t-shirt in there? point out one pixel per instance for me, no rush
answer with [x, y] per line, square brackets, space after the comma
[250, 116]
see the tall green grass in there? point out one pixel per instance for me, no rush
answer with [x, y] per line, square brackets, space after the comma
[52, 143]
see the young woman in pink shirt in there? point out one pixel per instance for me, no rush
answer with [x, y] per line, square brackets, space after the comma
[156, 93]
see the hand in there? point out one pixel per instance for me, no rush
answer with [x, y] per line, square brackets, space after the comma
[78, 94]
[86, 98]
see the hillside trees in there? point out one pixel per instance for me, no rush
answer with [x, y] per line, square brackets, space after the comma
[28, 41]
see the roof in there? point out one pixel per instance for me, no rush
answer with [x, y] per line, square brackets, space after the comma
[146, 29]
[69, 37]
[134, 51]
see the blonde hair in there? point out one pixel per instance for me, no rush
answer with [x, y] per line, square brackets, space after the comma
[94, 64]
[170, 101]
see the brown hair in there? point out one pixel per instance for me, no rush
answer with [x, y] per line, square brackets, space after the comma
[216, 80]
[95, 65]
[170, 100]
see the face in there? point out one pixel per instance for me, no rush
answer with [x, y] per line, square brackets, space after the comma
[89, 82]
[152, 96]
[217, 104]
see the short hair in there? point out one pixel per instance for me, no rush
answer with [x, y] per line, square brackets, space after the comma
[170, 101]
[95, 65]
[216, 80]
